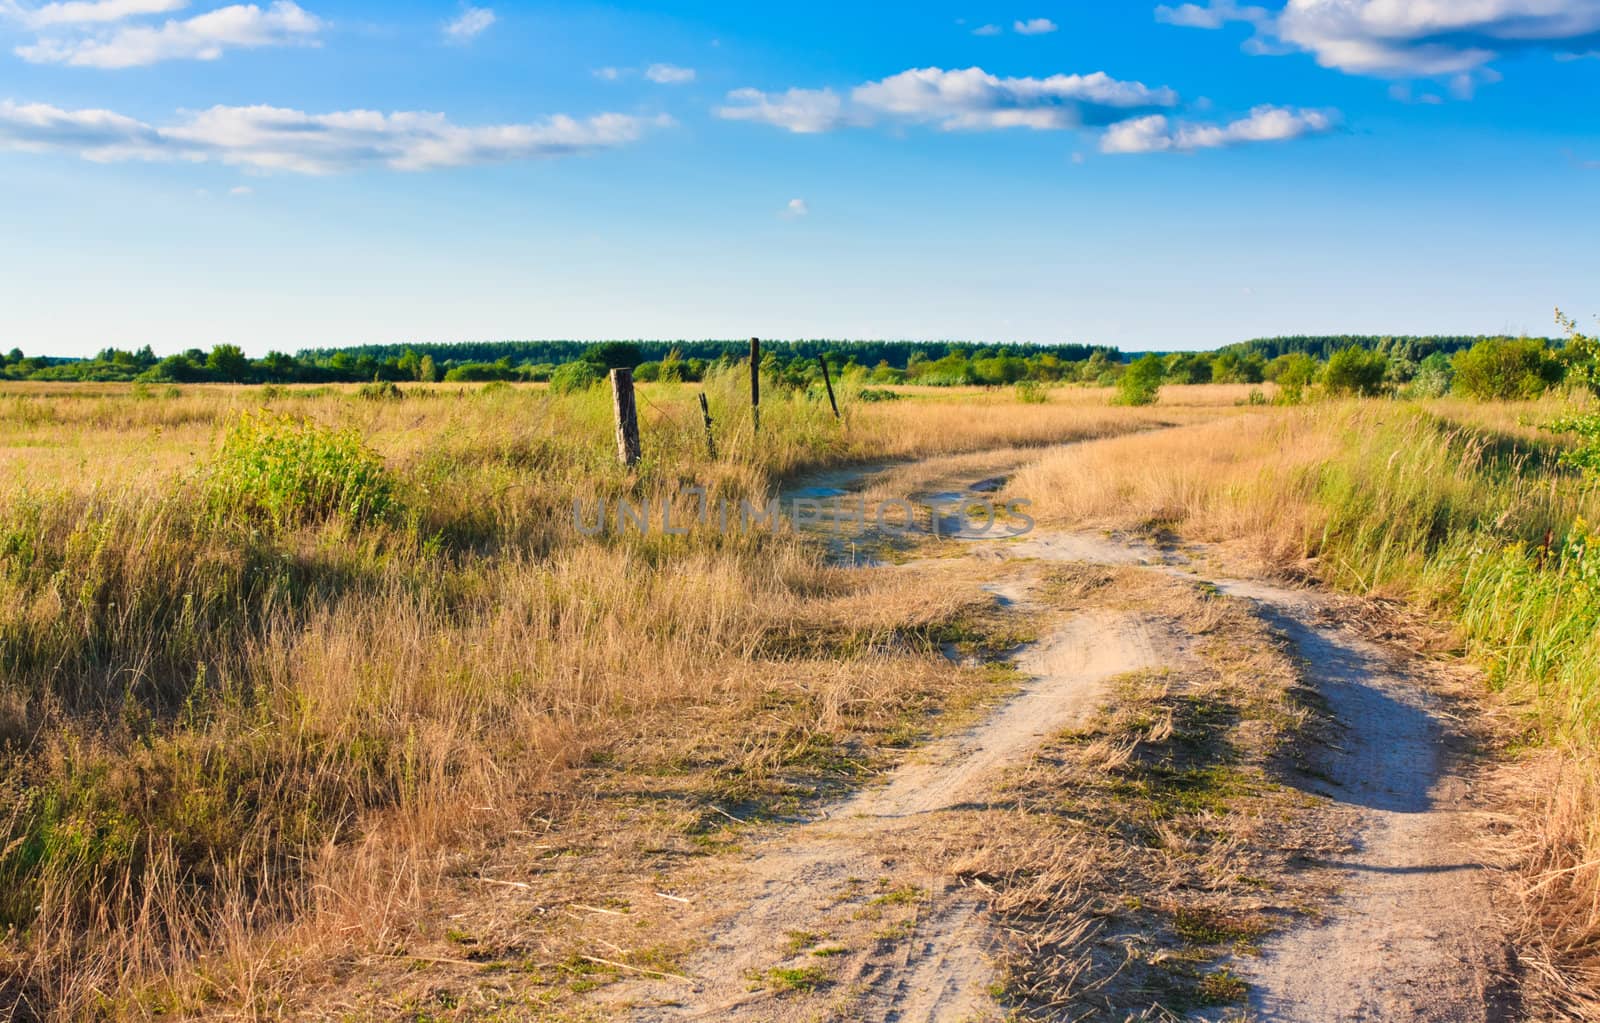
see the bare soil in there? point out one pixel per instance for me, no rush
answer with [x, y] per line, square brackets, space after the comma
[858, 914]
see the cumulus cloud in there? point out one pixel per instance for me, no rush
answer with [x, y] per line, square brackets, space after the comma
[669, 74]
[1157, 133]
[802, 111]
[988, 30]
[973, 99]
[203, 37]
[87, 12]
[274, 138]
[1421, 38]
[473, 22]
[1034, 27]
[970, 99]
[795, 209]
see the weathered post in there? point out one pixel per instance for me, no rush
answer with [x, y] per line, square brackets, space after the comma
[755, 383]
[827, 382]
[627, 416]
[705, 412]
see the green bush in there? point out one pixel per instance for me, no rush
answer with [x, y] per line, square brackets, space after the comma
[1585, 455]
[292, 472]
[380, 390]
[1433, 378]
[1031, 392]
[1141, 382]
[1355, 371]
[574, 377]
[1506, 369]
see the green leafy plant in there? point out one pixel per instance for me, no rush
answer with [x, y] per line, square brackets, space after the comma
[1355, 371]
[1032, 392]
[1141, 382]
[292, 472]
[380, 390]
[1581, 356]
[1506, 369]
[574, 377]
[1585, 455]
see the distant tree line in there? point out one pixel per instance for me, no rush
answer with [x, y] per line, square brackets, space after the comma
[1423, 366]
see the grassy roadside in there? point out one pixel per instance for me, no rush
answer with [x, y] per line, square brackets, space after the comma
[1468, 512]
[275, 679]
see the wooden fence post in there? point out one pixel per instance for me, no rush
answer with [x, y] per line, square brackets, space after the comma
[828, 382]
[705, 412]
[627, 416]
[755, 383]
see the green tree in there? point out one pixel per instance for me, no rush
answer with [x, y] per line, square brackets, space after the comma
[614, 355]
[573, 377]
[1141, 382]
[1580, 357]
[427, 372]
[228, 362]
[1506, 369]
[1433, 378]
[1355, 371]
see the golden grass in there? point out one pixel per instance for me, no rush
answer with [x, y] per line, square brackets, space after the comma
[236, 753]
[1458, 507]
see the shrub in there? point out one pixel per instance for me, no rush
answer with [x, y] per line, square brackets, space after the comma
[574, 377]
[1581, 356]
[1433, 378]
[1355, 371]
[1032, 392]
[380, 390]
[1585, 456]
[1506, 369]
[1292, 373]
[1141, 382]
[876, 394]
[292, 472]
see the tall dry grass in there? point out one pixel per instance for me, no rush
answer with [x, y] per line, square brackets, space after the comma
[1463, 509]
[250, 713]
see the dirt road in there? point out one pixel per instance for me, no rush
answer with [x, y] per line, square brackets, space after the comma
[857, 915]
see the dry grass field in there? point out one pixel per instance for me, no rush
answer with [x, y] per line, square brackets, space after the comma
[289, 674]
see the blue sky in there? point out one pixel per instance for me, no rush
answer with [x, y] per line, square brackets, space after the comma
[284, 175]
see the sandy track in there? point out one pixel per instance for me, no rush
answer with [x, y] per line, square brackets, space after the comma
[1412, 936]
[808, 880]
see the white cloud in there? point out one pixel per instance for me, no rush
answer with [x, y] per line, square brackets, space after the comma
[802, 111]
[608, 74]
[988, 30]
[203, 37]
[88, 12]
[1158, 134]
[241, 191]
[970, 99]
[1417, 38]
[473, 22]
[669, 74]
[1034, 27]
[272, 138]
[973, 99]
[1214, 15]
[795, 209]
[99, 135]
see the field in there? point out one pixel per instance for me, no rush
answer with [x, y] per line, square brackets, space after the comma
[318, 705]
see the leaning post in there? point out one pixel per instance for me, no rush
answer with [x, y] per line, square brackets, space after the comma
[705, 413]
[827, 382]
